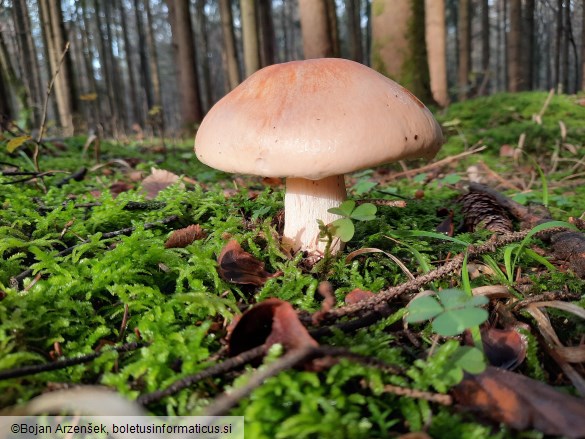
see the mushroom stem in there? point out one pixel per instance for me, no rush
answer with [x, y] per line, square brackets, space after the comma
[305, 202]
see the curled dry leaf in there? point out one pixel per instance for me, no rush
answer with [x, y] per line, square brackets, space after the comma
[325, 289]
[269, 322]
[521, 403]
[504, 348]
[158, 180]
[240, 267]
[183, 237]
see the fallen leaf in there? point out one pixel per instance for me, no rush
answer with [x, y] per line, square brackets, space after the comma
[521, 403]
[269, 322]
[183, 237]
[118, 187]
[325, 289]
[240, 267]
[357, 295]
[158, 180]
[16, 142]
[504, 348]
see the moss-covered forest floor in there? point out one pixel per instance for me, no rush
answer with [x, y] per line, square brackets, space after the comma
[75, 281]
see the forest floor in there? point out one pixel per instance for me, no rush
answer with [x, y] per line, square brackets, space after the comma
[128, 276]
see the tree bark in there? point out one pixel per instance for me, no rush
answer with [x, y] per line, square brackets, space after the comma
[583, 45]
[64, 86]
[558, 44]
[203, 63]
[354, 29]
[315, 28]
[6, 110]
[267, 35]
[136, 115]
[436, 48]
[182, 29]
[528, 45]
[464, 45]
[398, 44]
[145, 78]
[485, 46]
[152, 57]
[514, 47]
[229, 43]
[565, 46]
[250, 36]
[332, 27]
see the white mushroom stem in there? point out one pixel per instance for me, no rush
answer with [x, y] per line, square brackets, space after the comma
[305, 202]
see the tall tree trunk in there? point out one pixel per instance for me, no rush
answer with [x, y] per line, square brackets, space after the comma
[354, 29]
[12, 81]
[558, 43]
[464, 44]
[145, 79]
[436, 48]
[485, 45]
[152, 57]
[583, 45]
[514, 48]
[528, 44]
[135, 111]
[203, 63]
[229, 43]
[315, 27]
[565, 46]
[398, 44]
[64, 86]
[191, 111]
[250, 36]
[267, 35]
[28, 56]
[333, 27]
[115, 73]
[6, 110]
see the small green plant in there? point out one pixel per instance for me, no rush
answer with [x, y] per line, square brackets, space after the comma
[453, 311]
[343, 227]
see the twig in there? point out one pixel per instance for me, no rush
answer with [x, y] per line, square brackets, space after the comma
[183, 383]
[45, 107]
[16, 281]
[62, 364]
[438, 398]
[438, 164]
[380, 299]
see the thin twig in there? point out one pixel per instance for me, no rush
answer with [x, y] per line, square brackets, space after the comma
[45, 107]
[438, 164]
[62, 364]
[183, 383]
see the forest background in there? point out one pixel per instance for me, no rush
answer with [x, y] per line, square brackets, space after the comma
[132, 65]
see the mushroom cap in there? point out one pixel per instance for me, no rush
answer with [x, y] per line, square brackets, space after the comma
[313, 119]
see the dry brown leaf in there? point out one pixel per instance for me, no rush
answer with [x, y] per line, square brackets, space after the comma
[183, 237]
[325, 289]
[504, 348]
[240, 267]
[357, 295]
[158, 180]
[269, 322]
[521, 403]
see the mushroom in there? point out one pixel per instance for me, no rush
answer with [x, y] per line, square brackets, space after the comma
[312, 122]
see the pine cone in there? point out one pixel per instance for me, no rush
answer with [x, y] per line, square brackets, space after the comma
[184, 237]
[483, 211]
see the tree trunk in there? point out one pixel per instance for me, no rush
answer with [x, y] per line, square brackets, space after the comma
[332, 27]
[118, 96]
[152, 57]
[315, 27]
[203, 63]
[436, 48]
[267, 36]
[28, 57]
[145, 79]
[186, 64]
[250, 36]
[528, 45]
[583, 45]
[565, 46]
[514, 48]
[229, 43]
[464, 46]
[354, 29]
[64, 87]
[136, 115]
[399, 46]
[485, 46]
[6, 110]
[558, 41]
[12, 82]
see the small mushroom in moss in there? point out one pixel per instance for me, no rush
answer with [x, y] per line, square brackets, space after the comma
[312, 122]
